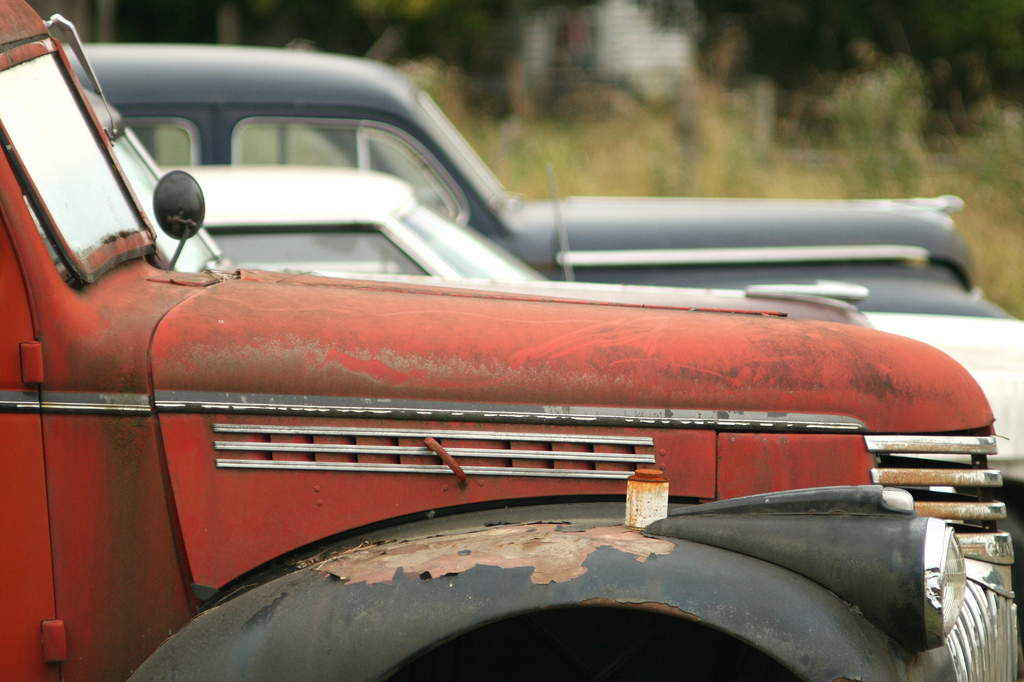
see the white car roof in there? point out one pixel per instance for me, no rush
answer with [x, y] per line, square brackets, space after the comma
[265, 195]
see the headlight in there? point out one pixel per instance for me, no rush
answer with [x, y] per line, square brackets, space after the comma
[945, 580]
[902, 571]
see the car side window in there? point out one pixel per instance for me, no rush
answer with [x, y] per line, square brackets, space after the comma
[388, 154]
[295, 144]
[348, 144]
[171, 142]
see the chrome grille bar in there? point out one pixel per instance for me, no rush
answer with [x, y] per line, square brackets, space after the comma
[977, 478]
[996, 548]
[424, 433]
[962, 511]
[983, 642]
[367, 467]
[932, 445]
[397, 450]
[585, 461]
[902, 453]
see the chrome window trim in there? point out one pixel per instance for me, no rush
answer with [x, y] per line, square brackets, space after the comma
[744, 255]
[406, 240]
[455, 194]
[488, 184]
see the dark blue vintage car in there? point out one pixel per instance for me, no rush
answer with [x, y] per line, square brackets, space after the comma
[239, 105]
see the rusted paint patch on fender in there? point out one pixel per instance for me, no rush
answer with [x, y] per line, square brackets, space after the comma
[655, 606]
[554, 556]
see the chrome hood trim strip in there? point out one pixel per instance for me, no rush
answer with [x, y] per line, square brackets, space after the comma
[19, 401]
[734, 256]
[241, 403]
[96, 403]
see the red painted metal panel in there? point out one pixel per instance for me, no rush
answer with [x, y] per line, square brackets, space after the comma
[119, 583]
[752, 463]
[26, 577]
[119, 588]
[316, 336]
[234, 520]
[18, 21]
[26, 581]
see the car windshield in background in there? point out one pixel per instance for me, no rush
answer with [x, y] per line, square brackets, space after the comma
[471, 256]
[344, 144]
[328, 251]
[91, 219]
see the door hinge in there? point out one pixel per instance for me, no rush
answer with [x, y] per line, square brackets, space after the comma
[32, 363]
[55, 642]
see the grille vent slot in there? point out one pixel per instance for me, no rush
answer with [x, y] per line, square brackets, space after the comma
[490, 453]
[949, 476]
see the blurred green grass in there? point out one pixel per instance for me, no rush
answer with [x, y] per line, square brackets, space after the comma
[876, 146]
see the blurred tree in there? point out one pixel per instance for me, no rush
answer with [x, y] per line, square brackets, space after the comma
[476, 34]
[795, 40]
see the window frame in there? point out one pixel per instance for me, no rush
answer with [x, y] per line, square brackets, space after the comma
[452, 194]
[125, 245]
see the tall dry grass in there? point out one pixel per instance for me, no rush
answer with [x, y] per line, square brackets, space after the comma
[875, 147]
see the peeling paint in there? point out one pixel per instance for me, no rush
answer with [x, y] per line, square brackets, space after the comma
[653, 606]
[554, 556]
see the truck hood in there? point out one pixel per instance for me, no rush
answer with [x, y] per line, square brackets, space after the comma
[992, 350]
[276, 339]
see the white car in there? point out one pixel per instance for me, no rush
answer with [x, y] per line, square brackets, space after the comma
[341, 222]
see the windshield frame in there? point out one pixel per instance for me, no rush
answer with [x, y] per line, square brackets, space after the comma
[436, 234]
[135, 240]
[462, 154]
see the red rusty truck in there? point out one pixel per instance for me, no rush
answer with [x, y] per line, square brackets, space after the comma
[262, 476]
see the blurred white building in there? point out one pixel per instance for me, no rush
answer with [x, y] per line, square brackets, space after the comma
[616, 41]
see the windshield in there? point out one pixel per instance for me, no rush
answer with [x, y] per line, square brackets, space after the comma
[81, 201]
[460, 151]
[471, 256]
[327, 250]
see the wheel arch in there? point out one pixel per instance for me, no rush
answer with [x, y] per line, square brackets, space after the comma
[364, 613]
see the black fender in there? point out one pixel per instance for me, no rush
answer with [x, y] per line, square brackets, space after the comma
[363, 613]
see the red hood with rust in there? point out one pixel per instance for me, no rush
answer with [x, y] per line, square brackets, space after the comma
[309, 336]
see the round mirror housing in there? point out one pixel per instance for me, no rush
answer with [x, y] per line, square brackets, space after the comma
[178, 205]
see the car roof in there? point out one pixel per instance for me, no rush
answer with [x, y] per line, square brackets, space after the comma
[204, 74]
[266, 195]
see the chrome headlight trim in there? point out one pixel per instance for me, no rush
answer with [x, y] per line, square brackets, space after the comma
[945, 578]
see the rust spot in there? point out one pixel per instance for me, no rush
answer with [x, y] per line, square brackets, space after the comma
[438, 450]
[553, 556]
[654, 606]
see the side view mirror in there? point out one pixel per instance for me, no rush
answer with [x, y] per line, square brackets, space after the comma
[179, 207]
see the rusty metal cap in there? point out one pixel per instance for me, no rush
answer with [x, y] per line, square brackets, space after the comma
[649, 475]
